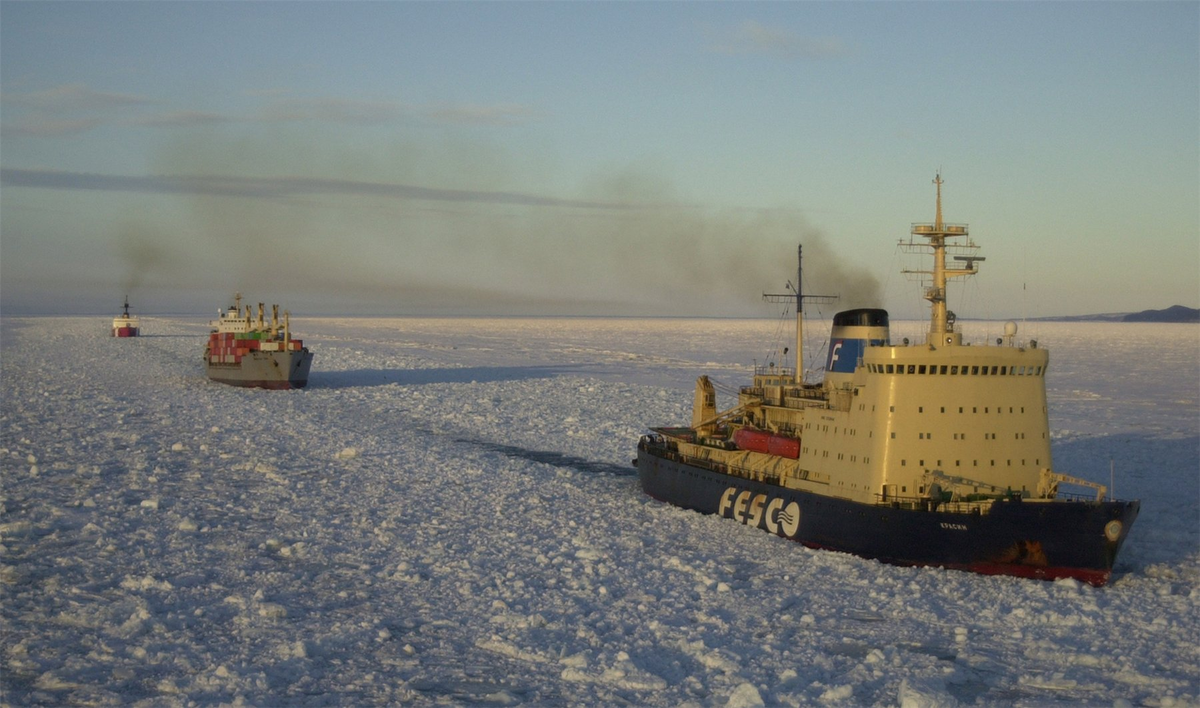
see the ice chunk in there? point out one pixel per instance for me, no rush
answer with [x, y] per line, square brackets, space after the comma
[745, 696]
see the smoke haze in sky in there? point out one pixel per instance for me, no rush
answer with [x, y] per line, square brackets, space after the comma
[593, 158]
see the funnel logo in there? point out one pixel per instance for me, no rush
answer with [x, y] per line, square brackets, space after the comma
[844, 355]
[761, 511]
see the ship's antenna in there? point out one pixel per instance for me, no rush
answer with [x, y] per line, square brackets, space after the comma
[800, 297]
[941, 328]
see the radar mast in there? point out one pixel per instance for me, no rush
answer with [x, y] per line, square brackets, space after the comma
[941, 237]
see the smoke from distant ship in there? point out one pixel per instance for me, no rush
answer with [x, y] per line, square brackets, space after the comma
[375, 235]
[142, 251]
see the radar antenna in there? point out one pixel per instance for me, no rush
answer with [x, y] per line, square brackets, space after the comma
[797, 295]
[941, 327]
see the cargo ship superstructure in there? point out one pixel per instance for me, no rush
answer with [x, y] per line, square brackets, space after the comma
[125, 324]
[930, 454]
[244, 350]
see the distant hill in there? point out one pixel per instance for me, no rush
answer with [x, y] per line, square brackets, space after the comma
[1175, 313]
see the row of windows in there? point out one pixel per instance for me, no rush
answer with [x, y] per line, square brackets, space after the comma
[955, 370]
[963, 436]
[841, 455]
[974, 463]
[961, 409]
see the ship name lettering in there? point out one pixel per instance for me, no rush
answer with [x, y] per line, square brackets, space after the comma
[954, 527]
[761, 511]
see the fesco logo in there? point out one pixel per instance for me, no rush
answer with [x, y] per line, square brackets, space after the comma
[761, 511]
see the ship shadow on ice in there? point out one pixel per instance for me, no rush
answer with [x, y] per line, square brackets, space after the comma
[357, 378]
[556, 459]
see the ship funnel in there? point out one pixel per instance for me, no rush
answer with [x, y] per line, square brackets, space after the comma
[853, 331]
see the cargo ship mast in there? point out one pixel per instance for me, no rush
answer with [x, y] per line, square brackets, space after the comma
[941, 323]
[799, 297]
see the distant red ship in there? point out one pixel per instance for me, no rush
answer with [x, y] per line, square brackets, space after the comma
[124, 324]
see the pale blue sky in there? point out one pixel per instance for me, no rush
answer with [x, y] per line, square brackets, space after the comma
[593, 158]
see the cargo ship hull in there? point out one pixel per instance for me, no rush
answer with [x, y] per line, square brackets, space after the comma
[1045, 540]
[124, 331]
[264, 369]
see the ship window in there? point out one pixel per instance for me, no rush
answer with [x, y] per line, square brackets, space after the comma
[900, 368]
[943, 369]
[904, 489]
[960, 409]
[893, 435]
[890, 368]
[984, 372]
[974, 409]
[958, 463]
[891, 409]
[994, 370]
[903, 463]
[912, 368]
[920, 409]
[943, 409]
[921, 369]
[974, 370]
[954, 371]
[922, 463]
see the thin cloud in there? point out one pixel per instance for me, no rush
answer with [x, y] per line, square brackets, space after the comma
[48, 128]
[74, 97]
[755, 38]
[276, 188]
[496, 114]
[182, 119]
[333, 110]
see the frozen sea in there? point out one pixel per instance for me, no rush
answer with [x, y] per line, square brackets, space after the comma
[448, 515]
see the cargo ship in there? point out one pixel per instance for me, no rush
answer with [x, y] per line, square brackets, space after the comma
[934, 453]
[246, 351]
[125, 324]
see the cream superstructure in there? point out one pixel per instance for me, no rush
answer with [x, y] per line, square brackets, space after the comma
[942, 420]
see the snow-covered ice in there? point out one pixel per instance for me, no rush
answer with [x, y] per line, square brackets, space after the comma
[448, 515]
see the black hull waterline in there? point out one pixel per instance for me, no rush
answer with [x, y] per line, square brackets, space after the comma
[1046, 540]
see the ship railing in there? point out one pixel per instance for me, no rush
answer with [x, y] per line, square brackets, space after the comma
[666, 450]
[926, 504]
[771, 370]
[1074, 496]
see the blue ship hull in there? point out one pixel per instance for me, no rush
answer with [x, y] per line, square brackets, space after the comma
[1042, 540]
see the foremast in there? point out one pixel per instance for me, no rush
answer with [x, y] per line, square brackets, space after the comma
[941, 237]
[798, 295]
